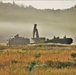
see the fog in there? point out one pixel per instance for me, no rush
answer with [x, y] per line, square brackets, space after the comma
[16, 19]
[10, 29]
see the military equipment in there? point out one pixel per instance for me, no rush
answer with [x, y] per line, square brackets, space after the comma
[18, 40]
[36, 37]
[35, 31]
[23, 41]
[60, 40]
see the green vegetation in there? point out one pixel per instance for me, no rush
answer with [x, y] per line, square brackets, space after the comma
[37, 55]
[1, 51]
[73, 55]
[31, 65]
[59, 65]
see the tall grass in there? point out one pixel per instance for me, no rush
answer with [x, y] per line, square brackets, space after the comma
[40, 60]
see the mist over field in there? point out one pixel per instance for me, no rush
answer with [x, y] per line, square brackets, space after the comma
[16, 19]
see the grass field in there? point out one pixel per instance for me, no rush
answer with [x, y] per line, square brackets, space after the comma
[38, 60]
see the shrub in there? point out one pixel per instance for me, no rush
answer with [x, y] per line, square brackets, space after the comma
[64, 64]
[37, 55]
[73, 55]
[30, 66]
[1, 51]
[59, 64]
[14, 61]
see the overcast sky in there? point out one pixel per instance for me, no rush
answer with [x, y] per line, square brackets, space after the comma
[45, 4]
